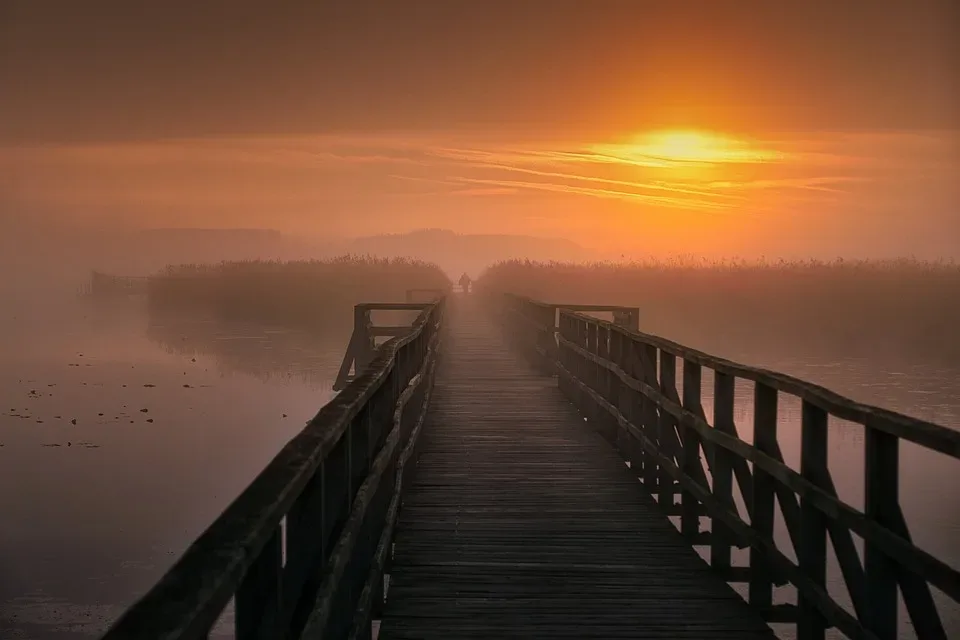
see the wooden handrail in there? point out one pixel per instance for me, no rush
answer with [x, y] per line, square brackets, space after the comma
[330, 492]
[624, 381]
[362, 347]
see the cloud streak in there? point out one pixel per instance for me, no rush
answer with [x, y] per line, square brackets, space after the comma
[629, 172]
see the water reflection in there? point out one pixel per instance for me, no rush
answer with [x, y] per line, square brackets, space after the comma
[268, 354]
[122, 436]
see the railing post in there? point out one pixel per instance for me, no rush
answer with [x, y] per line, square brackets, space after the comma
[631, 403]
[305, 558]
[365, 347]
[812, 554]
[666, 435]
[651, 421]
[881, 498]
[690, 514]
[764, 493]
[258, 600]
[594, 370]
[606, 423]
[618, 392]
[724, 392]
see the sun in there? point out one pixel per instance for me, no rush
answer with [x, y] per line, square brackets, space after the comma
[685, 147]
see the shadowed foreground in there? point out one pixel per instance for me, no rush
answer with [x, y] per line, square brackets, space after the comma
[524, 522]
[455, 467]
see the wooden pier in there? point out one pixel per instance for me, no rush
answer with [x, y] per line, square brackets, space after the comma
[511, 466]
[522, 522]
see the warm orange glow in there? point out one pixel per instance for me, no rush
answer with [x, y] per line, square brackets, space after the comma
[679, 148]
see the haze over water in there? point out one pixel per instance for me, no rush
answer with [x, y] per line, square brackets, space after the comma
[172, 420]
[560, 129]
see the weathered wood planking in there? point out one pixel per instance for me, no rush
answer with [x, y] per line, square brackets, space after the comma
[523, 522]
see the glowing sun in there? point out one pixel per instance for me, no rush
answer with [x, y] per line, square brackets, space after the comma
[672, 148]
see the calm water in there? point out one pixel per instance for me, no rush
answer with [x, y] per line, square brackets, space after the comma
[173, 419]
[94, 512]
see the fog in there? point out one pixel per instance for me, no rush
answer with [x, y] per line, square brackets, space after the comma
[777, 184]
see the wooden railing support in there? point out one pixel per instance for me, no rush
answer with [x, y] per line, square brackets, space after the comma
[624, 382]
[362, 347]
[332, 496]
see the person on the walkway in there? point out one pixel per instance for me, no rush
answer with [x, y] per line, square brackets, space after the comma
[465, 283]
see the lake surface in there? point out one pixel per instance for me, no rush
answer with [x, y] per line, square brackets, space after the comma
[121, 438]
[92, 513]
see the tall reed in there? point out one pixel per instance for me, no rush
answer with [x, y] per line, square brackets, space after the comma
[845, 308]
[312, 295]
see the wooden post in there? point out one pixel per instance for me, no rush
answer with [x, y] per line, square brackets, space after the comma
[627, 318]
[666, 434]
[578, 368]
[592, 378]
[765, 400]
[635, 403]
[812, 554]
[365, 347]
[607, 424]
[618, 391]
[724, 391]
[304, 548]
[258, 600]
[690, 518]
[651, 419]
[563, 324]
[881, 504]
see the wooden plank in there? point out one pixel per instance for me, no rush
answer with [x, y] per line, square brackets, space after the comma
[524, 522]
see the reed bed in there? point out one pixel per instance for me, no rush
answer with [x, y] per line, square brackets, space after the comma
[897, 308]
[314, 295]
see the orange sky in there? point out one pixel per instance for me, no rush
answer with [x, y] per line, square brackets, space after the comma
[837, 120]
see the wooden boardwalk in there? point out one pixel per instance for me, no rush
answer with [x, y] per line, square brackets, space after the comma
[523, 522]
[518, 520]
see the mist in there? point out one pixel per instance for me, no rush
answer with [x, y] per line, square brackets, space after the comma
[195, 199]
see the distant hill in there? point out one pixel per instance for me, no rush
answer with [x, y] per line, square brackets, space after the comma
[456, 253]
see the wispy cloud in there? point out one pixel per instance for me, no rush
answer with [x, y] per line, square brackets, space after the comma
[679, 203]
[721, 174]
[650, 186]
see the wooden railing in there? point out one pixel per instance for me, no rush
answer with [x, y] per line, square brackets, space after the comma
[363, 345]
[303, 550]
[625, 383]
[533, 329]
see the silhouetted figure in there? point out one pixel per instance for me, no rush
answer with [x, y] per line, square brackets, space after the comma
[465, 283]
